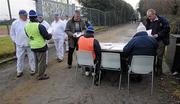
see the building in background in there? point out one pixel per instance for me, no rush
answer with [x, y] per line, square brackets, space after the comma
[16, 5]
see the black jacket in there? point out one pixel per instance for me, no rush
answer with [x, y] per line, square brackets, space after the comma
[160, 27]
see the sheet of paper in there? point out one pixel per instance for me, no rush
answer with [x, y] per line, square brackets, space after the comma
[78, 34]
[50, 30]
[149, 32]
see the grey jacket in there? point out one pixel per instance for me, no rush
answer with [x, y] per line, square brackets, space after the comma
[70, 30]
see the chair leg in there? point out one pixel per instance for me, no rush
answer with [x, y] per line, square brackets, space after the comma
[128, 81]
[76, 71]
[152, 83]
[94, 76]
[120, 77]
[99, 82]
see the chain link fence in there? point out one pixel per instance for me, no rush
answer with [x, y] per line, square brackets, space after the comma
[109, 18]
[95, 16]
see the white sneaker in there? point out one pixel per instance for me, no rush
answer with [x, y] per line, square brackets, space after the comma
[175, 73]
[87, 73]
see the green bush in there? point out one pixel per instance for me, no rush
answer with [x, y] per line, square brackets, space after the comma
[7, 48]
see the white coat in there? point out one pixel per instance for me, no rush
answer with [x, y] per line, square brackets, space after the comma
[58, 29]
[18, 35]
[58, 33]
[45, 24]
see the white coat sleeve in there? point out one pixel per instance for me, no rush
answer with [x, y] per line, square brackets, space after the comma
[48, 25]
[12, 32]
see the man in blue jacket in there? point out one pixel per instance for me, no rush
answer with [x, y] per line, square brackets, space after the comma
[141, 44]
[160, 31]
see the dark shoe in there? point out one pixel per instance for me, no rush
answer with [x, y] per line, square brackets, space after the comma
[44, 77]
[96, 80]
[59, 60]
[69, 66]
[19, 74]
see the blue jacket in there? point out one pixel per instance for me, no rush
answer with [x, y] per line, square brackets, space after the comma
[160, 27]
[141, 44]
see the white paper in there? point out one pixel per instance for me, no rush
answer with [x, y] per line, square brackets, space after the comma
[149, 32]
[50, 30]
[78, 34]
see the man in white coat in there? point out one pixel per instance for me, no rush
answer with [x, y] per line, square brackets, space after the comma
[47, 26]
[58, 33]
[66, 19]
[19, 37]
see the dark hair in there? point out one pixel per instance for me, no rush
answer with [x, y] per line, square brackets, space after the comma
[33, 19]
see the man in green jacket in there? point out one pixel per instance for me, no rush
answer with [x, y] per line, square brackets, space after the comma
[38, 35]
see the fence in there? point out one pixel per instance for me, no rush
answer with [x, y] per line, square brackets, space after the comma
[109, 18]
[96, 17]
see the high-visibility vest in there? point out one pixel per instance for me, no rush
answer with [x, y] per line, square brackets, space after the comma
[36, 39]
[86, 44]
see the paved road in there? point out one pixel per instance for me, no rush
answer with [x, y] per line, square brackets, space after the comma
[62, 88]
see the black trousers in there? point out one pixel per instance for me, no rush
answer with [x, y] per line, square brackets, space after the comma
[70, 55]
[71, 51]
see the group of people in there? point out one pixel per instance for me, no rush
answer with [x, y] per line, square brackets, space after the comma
[31, 39]
[152, 44]
[32, 36]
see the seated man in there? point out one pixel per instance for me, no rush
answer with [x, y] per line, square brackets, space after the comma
[88, 43]
[141, 44]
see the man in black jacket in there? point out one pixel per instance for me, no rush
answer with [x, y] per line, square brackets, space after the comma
[160, 31]
[74, 26]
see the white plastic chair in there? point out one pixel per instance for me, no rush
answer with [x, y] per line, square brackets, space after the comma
[111, 61]
[85, 58]
[142, 64]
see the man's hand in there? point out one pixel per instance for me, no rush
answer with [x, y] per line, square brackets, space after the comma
[75, 35]
[155, 35]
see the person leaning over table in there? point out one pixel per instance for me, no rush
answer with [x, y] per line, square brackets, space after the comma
[88, 43]
[140, 44]
[160, 31]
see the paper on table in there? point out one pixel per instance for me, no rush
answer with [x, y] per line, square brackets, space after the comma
[107, 44]
[149, 32]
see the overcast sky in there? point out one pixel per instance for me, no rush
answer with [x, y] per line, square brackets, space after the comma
[16, 5]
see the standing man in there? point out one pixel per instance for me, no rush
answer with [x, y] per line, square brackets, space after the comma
[20, 39]
[38, 35]
[58, 32]
[66, 19]
[160, 31]
[74, 26]
[47, 26]
[43, 22]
